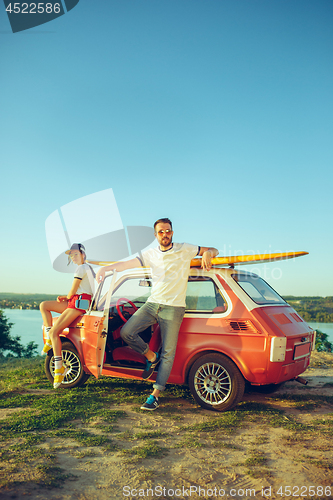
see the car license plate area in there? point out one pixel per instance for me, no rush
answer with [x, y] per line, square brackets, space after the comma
[301, 350]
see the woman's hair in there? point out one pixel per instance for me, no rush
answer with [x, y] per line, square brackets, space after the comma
[84, 254]
[80, 248]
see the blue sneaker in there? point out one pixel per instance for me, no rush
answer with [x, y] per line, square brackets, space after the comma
[150, 404]
[150, 366]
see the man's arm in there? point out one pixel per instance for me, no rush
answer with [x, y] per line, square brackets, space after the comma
[207, 253]
[118, 266]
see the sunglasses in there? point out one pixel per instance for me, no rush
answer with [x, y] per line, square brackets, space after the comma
[166, 231]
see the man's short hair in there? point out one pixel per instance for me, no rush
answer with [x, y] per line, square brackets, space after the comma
[163, 221]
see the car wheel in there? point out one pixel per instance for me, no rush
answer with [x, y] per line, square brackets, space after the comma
[216, 383]
[75, 376]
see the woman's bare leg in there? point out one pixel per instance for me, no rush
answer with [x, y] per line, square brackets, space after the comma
[51, 305]
[45, 309]
[65, 319]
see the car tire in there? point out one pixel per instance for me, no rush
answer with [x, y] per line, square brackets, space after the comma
[75, 376]
[216, 383]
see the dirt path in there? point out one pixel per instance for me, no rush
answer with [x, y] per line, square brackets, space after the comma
[254, 460]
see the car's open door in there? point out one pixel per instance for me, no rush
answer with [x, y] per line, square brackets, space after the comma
[96, 329]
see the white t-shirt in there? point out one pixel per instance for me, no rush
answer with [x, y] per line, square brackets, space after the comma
[83, 273]
[170, 270]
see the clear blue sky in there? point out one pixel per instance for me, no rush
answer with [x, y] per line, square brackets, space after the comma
[217, 114]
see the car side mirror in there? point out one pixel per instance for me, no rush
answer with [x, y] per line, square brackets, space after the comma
[145, 283]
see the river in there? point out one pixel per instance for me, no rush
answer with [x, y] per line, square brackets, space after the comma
[28, 326]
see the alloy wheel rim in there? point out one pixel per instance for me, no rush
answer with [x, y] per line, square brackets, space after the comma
[72, 362]
[212, 383]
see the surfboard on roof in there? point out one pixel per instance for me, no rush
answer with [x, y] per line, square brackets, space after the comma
[232, 260]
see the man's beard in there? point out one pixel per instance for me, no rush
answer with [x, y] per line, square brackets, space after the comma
[165, 242]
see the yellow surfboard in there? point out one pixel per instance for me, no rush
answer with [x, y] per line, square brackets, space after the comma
[249, 259]
[232, 260]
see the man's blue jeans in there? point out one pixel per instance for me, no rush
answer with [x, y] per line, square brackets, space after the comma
[169, 318]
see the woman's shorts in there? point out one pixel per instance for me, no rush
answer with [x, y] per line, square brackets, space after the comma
[71, 302]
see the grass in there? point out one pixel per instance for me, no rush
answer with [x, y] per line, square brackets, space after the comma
[83, 437]
[252, 413]
[258, 474]
[150, 435]
[321, 360]
[189, 442]
[52, 476]
[15, 374]
[55, 410]
[86, 453]
[228, 421]
[147, 450]
[257, 463]
[322, 464]
[41, 423]
[261, 440]
[48, 415]
[146, 474]
[315, 400]
[229, 446]
[256, 458]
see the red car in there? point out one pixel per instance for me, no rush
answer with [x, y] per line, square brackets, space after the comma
[236, 330]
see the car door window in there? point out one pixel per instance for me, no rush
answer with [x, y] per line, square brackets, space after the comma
[137, 290]
[204, 296]
[101, 294]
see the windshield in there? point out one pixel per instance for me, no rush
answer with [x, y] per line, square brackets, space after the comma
[257, 289]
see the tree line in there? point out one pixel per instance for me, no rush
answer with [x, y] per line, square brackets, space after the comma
[312, 309]
[23, 300]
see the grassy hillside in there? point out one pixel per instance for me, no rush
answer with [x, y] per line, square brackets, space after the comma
[46, 434]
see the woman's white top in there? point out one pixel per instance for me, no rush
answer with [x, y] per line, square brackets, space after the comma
[87, 284]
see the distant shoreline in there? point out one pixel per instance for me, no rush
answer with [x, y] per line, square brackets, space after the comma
[24, 300]
[311, 308]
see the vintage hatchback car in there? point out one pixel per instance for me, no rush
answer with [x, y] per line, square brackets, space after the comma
[236, 330]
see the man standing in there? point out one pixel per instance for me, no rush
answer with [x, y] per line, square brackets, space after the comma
[170, 266]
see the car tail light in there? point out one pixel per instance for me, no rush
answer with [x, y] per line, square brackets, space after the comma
[278, 349]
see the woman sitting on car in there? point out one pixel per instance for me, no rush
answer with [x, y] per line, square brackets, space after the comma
[69, 307]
